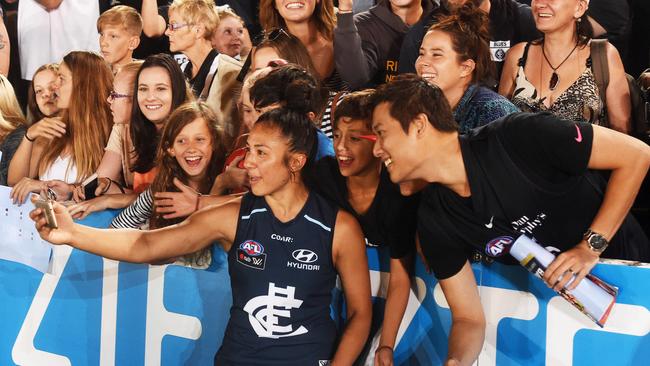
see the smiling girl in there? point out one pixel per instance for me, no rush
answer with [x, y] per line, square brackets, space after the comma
[160, 89]
[191, 150]
[312, 22]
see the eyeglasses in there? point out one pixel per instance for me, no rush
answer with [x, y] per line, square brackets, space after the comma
[113, 95]
[176, 26]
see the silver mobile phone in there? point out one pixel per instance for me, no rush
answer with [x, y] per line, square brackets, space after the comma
[48, 210]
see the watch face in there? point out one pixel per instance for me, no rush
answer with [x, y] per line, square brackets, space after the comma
[597, 242]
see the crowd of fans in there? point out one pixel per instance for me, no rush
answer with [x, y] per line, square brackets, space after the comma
[327, 123]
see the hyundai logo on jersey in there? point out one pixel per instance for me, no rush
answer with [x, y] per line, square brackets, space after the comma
[498, 246]
[305, 256]
[251, 254]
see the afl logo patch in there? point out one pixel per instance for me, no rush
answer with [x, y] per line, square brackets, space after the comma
[251, 247]
[498, 246]
[304, 256]
[251, 254]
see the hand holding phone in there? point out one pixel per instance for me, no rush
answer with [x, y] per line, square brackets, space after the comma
[48, 211]
[90, 186]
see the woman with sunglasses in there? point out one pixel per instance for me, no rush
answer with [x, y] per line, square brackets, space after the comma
[357, 182]
[114, 172]
[211, 75]
[285, 243]
[312, 22]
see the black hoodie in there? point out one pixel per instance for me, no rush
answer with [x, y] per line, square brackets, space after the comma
[367, 46]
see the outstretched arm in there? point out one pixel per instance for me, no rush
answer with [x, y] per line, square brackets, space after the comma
[193, 234]
[349, 257]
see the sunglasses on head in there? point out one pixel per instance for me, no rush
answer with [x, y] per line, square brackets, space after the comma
[114, 95]
[271, 35]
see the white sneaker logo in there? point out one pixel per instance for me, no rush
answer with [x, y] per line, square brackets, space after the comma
[489, 224]
[264, 311]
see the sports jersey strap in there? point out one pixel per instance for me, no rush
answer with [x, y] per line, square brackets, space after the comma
[524, 57]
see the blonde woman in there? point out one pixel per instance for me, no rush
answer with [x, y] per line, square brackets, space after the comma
[12, 126]
[41, 99]
[67, 148]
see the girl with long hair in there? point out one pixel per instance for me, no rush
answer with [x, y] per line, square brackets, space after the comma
[12, 126]
[312, 22]
[67, 148]
[299, 240]
[159, 89]
[289, 86]
[191, 151]
[41, 99]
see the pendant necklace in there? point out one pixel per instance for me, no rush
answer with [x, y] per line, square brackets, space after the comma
[555, 78]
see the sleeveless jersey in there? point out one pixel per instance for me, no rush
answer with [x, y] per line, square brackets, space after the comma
[282, 278]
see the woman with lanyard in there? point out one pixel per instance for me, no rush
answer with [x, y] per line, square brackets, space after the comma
[285, 246]
[555, 73]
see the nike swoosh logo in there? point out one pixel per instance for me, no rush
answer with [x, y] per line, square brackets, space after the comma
[489, 225]
[579, 137]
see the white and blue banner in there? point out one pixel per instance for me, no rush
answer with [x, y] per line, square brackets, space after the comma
[93, 311]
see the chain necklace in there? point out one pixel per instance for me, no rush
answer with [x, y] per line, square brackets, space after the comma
[555, 78]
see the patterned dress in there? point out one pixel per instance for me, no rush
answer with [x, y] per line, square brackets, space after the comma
[579, 102]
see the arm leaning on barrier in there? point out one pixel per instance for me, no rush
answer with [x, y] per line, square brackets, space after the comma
[349, 258]
[399, 286]
[467, 318]
[628, 159]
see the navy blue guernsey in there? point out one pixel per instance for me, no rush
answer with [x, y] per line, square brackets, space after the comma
[282, 276]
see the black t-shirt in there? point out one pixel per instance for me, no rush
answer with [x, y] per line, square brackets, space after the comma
[527, 174]
[391, 218]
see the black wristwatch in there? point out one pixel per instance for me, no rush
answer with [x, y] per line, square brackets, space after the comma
[595, 241]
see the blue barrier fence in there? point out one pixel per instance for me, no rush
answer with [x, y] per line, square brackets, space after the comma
[94, 311]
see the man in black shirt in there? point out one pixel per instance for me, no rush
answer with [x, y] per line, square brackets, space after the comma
[524, 174]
